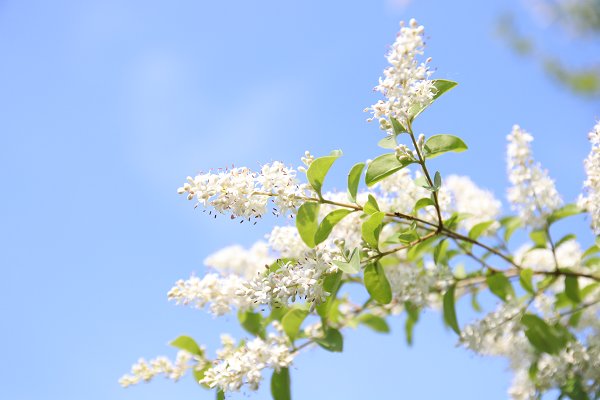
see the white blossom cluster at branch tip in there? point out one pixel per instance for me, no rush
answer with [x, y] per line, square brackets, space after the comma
[242, 365]
[239, 261]
[243, 193]
[406, 81]
[220, 293]
[146, 370]
[532, 194]
[591, 200]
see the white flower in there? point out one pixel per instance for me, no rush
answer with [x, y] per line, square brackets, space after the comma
[417, 285]
[468, 198]
[291, 280]
[591, 202]
[218, 292]
[239, 261]
[243, 193]
[241, 365]
[533, 194]
[406, 81]
[286, 241]
[146, 371]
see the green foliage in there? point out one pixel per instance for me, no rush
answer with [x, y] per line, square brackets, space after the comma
[564, 212]
[450, 309]
[371, 229]
[384, 166]
[544, 337]
[331, 284]
[479, 229]
[374, 322]
[572, 289]
[280, 385]
[332, 341]
[500, 285]
[371, 205]
[318, 170]
[328, 223]
[352, 266]
[292, 321]
[377, 283]
[439, 144]
[252, 322]
[510, 225]
[526, 280]
[188, 344]
[354, 180]
[307, 222]
[441, 87]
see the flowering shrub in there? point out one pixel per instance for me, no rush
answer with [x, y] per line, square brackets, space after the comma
[402, 238]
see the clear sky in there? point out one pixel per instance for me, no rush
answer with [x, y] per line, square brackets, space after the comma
[106, 106]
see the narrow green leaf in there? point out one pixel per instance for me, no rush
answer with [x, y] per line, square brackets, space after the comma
[450, 309]
[354, 180]
[572, 289]
[220, 395]
[412, 317]
[441, 86]
[510, 224]
[292, 321]
[307, 222]
[331, 284]
[384, 166]
[437, 181]
[439, 144]
[526, 280]
[564, 212]
[352, 266]
[565, 239]
[479, 229]
[398, 128]
[371, 229]
[318, 170]
[500, 285]
[593, 249]
[377, 283]
[188, 344]
[252, 322]
[439, 252]
[371, 205]
[333, 340]
[328, 223]
[374, 322]
[546, 338]
[280, 385]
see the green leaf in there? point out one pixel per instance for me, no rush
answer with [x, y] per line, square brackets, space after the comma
[421, 203]
[411, 320]
[500, 285]
[307, 222]
[572, 289]
[388, 142]
[333, 340]
[252, 322]
[199, 374]
[188, 344]
[526, 280]
[479, 229]
[292, 321]
[384, 166]
[437, 181]
[539, 238]
[318, 170]
[546, 338]
[377, 283]
[510, 224]
[564, 212]
[220, 395]
[439, 252]
[398, 128]
[450, 309]
[280, 385]
[441, 86]
[565, 239]
[371, 205]
[374, 322]
[593, 249]
[371, 229]
[439, 144]
[354, 180]
[352, 266]
[331, 284]
[408, 236]
[328, 223]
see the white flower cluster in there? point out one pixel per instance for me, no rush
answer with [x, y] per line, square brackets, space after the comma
[420, 286]
[220, 293]
[239, 261]
[568, 255]
[243, 193]
[532, 194]
[239, 365]
[302, 279]
[146, 370]
[591, 202]
[406, 81]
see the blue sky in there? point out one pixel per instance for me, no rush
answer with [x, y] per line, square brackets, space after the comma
[105, 108]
